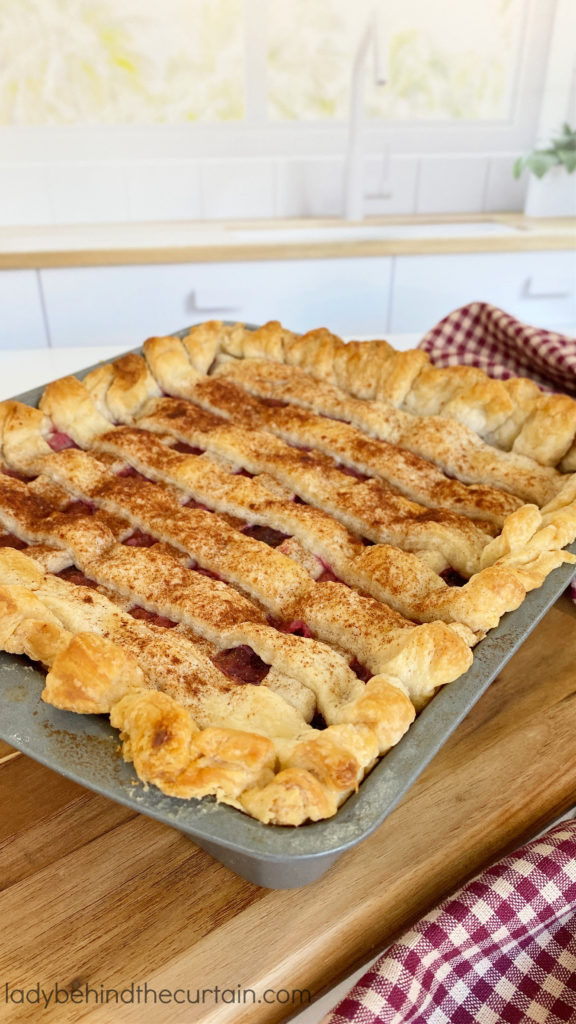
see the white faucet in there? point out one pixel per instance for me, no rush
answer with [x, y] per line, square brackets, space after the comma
[354, 183]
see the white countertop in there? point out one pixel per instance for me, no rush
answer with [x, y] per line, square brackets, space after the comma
[175, 234]
[22, 369]
[74, 245]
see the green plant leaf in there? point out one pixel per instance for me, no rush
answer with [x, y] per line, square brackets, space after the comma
[566, 139]
[561, 152]
[518, 167]
[565, 144]
[541, 161]
[568, 158]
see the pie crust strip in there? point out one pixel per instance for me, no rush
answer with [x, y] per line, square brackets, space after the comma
[126, 389]
[394, 577]
[121, 390]
[157, 581]
[416, 478]
[367, 508]
[528, 546]
[449, 444]
[478, 607]
[512, 414]
[386, 573]
[45, 618]
[425, 657]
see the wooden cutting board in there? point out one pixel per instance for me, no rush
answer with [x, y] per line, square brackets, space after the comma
[92, 893]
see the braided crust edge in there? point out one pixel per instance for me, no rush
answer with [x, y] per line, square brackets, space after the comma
[511, 414]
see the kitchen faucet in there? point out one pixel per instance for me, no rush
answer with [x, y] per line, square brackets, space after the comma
[372, 36]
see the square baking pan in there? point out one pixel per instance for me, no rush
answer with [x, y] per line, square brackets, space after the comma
[85, 749]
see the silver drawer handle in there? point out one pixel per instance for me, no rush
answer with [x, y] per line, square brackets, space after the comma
[208, 300]
[541, 286]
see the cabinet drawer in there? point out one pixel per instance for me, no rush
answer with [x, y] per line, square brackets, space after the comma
[21, 317]
[537, 287]
[124, 305]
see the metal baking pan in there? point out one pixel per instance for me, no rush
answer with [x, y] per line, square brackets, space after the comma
[84, 748]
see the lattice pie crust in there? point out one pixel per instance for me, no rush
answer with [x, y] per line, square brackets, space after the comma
[262, 554]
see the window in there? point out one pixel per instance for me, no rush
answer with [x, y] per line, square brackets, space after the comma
[446, 60]
[121, 61]
[127, 79]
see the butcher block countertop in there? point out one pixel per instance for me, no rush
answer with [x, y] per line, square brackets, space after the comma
[93, 894]
[84, 245]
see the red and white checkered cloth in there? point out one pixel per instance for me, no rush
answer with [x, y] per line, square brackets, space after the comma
[502, 950]
[483, 335]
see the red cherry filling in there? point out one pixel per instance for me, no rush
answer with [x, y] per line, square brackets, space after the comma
[186, 449]
[140, 540]
[8, 540]
[15, 475]
[58, 441]
[453, 578]
[86, 508]
[242, 664]
[265, 534]
[130, 471]
[318, 721]
[327, 575]
[350, 471]
[74, 575]
[147, 616]
[361, 671]
[207, 572]
[273, 403]
[296, 627]
[192, 503]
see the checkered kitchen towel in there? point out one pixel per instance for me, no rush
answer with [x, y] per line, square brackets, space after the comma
[502, 950]
[485, 336]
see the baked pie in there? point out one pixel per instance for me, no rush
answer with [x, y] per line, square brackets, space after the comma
[261, 554]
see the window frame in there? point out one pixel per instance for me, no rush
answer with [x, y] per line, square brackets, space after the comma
[258, 137]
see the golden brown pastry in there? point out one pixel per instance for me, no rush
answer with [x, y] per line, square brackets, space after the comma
[513, 414]
[101, 660]
[262, 554]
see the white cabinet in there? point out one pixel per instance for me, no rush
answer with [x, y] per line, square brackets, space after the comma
[124, 305]
[365, 297]
[21, 318]
[537, 287]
